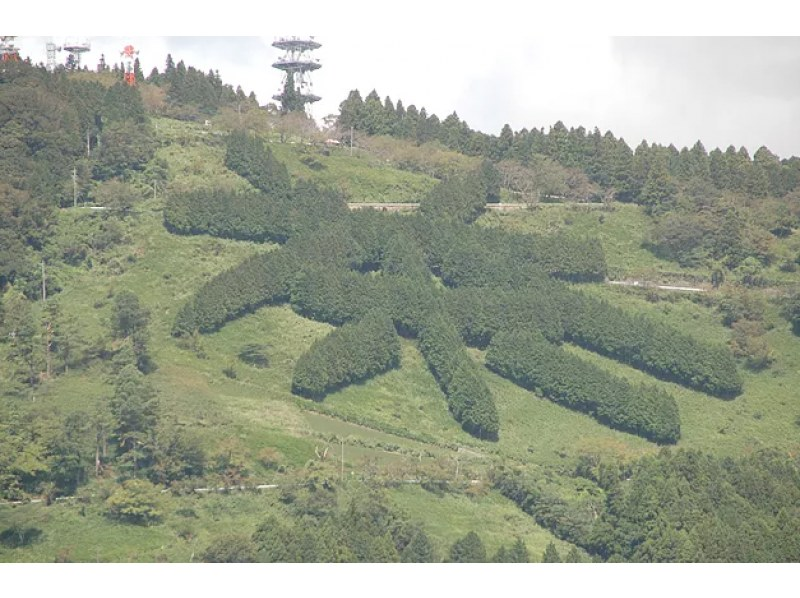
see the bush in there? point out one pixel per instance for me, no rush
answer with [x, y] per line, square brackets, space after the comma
[230, 548]
[135, 501]
[791, 310]
[740, 304]
[255, 355]
[748, 342]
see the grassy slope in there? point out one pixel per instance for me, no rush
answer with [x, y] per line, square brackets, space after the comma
[362, 177]
[621, 232]
[765, 414]
[257, 410]
[445, 519]
[196, 156]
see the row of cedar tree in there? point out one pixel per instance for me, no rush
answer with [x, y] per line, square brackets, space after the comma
[372, 274]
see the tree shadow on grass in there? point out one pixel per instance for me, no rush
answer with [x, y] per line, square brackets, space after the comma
[18, 536]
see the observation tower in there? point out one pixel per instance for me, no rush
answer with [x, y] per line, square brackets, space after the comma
[75, 48]
[297, 64]
[8, 51]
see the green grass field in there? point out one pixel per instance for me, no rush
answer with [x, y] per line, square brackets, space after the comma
[196, 158]
[621, 232]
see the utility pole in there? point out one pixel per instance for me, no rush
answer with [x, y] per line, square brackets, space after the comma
[154, 188]
[74, 187]
[48, 327]
[88, 145]
[351, 140]
[44, 285]
[342, 474]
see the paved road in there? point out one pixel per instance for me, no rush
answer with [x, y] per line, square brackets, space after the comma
[649, 285]
[494, 207]
[408, 207]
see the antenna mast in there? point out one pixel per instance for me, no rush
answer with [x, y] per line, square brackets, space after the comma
[51, 56]
[76, 49]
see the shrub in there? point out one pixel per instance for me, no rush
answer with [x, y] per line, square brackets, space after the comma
[740, 304]
[230, 548]
[135, 501]
[254, 354]
[748, 342]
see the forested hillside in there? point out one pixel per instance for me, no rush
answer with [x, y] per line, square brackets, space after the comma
[199, 335]
[715, 208]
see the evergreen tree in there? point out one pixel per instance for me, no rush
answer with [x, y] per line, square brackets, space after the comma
[500, 556]
[137, 71]
[376, 119]
[427, 127]
[20, 326]
[469, 549]
[134, 406]
[699, 162]
[518, 552]
[275, 542]
[573, 556]
[658, 193]
[291, 99]
[492, 180]
[351, 112]
[418, 550]
[169, 68]
[127, 315]
[503, 144]
[550, 554]
[769, 166]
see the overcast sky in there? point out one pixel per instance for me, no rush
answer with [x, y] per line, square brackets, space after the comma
[523, 67]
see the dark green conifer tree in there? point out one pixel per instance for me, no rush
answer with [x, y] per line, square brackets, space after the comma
[418, 550]
[469, 549]
[550, 554]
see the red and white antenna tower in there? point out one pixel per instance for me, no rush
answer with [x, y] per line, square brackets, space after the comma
[8, 51]
[129, 54]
